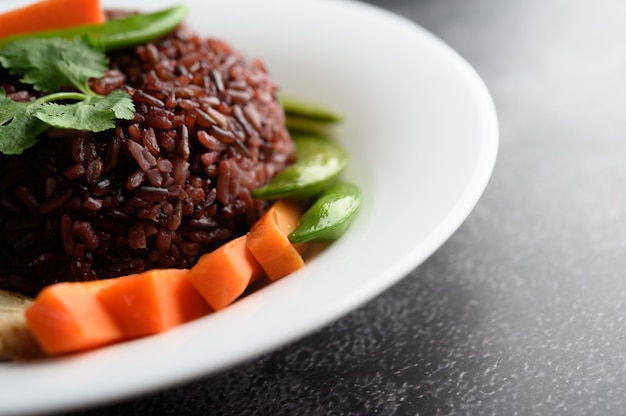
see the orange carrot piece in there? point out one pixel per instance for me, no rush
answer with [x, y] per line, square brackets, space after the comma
[268, 241]
[222, 275]
[67, 317]
[49, 15]
[153, 301]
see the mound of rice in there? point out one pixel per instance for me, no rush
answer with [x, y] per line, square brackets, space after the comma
[156, 192]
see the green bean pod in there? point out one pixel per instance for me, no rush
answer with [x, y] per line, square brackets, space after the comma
[303, 116]
[318, 164]
[329, 216]
[119, 33]
[308, 110]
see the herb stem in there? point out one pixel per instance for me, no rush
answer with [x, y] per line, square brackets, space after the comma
[68, 95]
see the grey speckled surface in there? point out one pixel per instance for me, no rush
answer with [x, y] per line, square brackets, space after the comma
[522, 311]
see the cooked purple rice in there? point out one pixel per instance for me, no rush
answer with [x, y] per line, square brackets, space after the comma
[156, 192]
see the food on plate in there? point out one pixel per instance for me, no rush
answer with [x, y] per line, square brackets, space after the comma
[60, 71]
[308, 117]
[125, 30]
[157, 191]
[16, 339]
[76, 316]
[152, 301]
[149, 177]
[269, 242]
[223, 275]
[68, 317]
[329, 216]
[309, 111]
[48, 15]
[319, 163]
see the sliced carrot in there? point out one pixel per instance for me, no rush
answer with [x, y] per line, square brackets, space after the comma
[153, 301]
[67, 317]
[49, 15]
[268, 241]
[221, 276]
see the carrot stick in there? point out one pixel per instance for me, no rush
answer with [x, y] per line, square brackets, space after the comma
[49, 15]
[268, 241]
[221, 276]
[153, 301]
[67, 317]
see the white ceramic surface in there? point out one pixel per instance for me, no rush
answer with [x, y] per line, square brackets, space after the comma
[422, 132]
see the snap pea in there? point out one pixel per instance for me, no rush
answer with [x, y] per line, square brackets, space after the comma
[329, 216]
[309, 110]
[302, 125]
[119, 33]
[318, 164]
[303, 116]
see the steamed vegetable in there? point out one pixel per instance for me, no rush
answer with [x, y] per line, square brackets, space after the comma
[318, 164]
[117, 33]
[268, 242]
[333, 205]
[135, 29]
[329, 216]
[152, 301]
[305, 117]
[221, 276]
[49, 15]
[68, 317]
[295, 107]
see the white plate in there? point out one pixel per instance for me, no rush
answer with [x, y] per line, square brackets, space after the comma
[422, 132]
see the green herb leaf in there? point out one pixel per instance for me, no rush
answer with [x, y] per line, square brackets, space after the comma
[18, 127]
[8, 107]
[52, 65]
[81, 62]
[121, 104]
[95, 113]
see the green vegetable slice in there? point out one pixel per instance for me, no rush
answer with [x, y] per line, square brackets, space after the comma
[329, 216]
[319, 162]
[119, 33]
[139, 28]
[301, 109]
[307, 117]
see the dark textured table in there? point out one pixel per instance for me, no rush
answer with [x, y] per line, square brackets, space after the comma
[522, 310]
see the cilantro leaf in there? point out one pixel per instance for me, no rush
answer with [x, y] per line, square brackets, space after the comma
[95, 113]
[20, 134]
[54, 66]
[121, 104]
[50, 64]
[8, 107]
[19, 128]
[82, 61]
